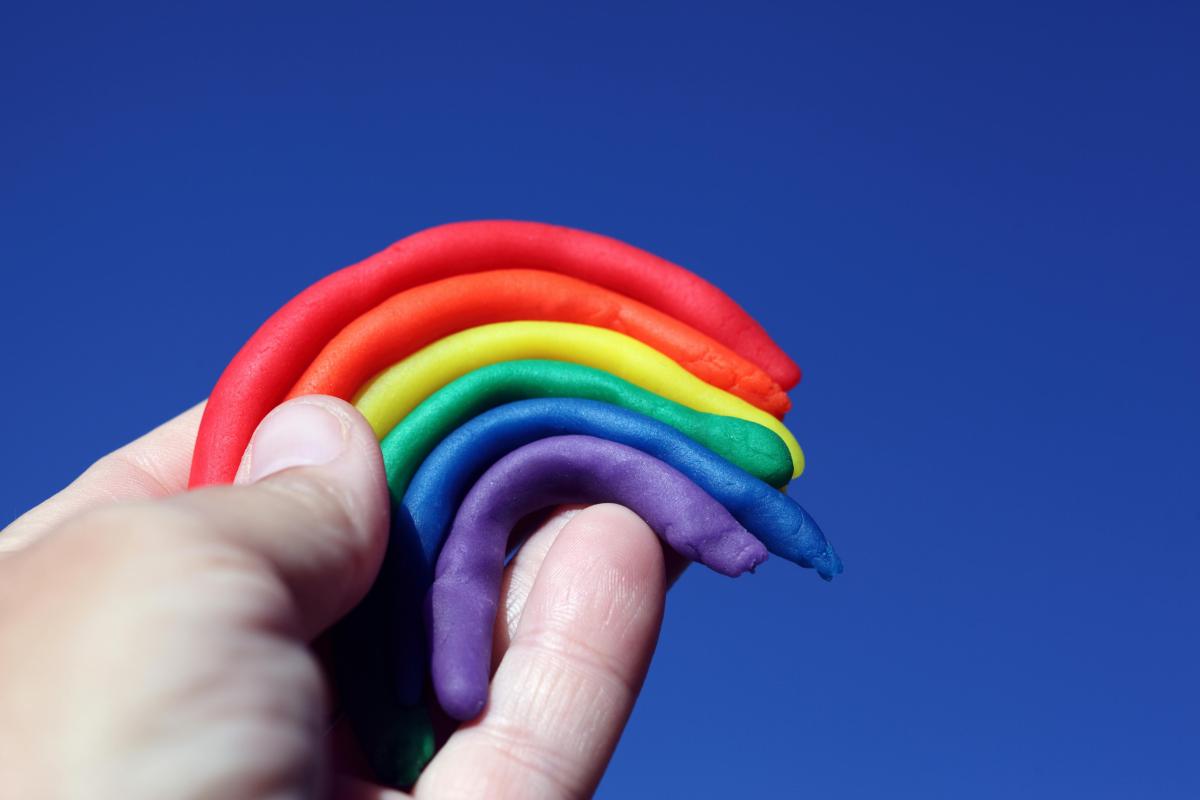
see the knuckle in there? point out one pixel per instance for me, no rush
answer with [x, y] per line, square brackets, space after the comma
[536, 761]
[129, 468]
[566, 652]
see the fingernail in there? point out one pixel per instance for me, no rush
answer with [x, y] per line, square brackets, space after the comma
[298, 434]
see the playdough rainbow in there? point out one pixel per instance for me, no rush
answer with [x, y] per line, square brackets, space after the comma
[507, 367]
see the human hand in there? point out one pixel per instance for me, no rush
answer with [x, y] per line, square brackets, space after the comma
[156, 643]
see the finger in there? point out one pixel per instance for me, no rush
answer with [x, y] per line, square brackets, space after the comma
[522, 570]
[154, 465]
[520, 575]
[310, 502]
[567, 684]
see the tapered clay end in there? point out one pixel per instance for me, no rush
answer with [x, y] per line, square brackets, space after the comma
[460, 697]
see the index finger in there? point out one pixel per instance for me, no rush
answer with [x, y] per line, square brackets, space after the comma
[567, 683]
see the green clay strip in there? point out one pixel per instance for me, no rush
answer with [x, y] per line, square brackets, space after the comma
[754, 448]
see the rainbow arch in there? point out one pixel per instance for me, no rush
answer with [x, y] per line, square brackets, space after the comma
[499, 320]
[274, 358]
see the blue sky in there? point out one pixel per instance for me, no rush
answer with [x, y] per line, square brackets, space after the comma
[975, 229]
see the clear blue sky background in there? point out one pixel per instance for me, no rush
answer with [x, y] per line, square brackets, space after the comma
[975, 229]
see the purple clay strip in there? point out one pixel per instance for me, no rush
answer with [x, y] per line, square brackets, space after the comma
[549, 472]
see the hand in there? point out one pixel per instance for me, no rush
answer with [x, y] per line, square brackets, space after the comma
[155, 643]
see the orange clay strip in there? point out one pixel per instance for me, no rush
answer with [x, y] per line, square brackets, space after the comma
[412, 319]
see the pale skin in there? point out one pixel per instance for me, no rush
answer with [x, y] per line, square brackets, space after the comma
[156, 643]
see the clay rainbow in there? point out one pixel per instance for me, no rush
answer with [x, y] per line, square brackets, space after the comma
[417, 317]
[275, 357]
[487, 353]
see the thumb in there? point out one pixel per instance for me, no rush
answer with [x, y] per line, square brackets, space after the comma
[311, 501]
